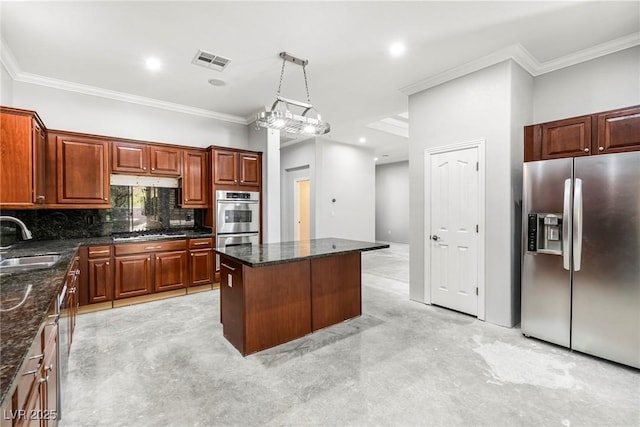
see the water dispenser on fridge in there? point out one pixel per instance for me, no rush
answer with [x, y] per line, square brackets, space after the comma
[545, 233]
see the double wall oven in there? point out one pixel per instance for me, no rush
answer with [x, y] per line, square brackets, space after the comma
[237, 219]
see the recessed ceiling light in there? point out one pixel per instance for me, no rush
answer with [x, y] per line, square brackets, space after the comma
[153, 64]
[397, 49]
[375, 159]
[217, 82]
[362, 140]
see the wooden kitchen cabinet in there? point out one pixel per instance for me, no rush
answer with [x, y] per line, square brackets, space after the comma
[100, 277]
[231, 303]
[127, 157]
[234, 168]
[81, 170]
[133, 276]
[193, 187]
[170, 271]
[612, 131]
[618, 131]
[165, 160]
[145, 268]
[201, 261]
[22, 172]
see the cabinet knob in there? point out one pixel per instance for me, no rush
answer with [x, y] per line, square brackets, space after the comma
[586, 150]
[600, 148]
[105, 198]
[107, 263]
[153, 169]
[144, 168]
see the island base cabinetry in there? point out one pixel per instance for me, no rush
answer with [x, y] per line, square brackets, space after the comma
[261, 307]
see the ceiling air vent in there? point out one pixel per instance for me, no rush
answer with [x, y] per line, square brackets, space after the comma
[210, 60]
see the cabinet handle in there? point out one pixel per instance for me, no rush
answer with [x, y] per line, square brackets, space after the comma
[106, 251]
[191, 254]
[186, 200]
[149, 259]
[77, 272]
[201, 243]
[106, 263]
[153, 169]
[600, 148]
[48, 368]
[72, 290]
[227, 266]
[149, 248]
[39, 356]
[144, 168]
[43, 380]
[586, 150]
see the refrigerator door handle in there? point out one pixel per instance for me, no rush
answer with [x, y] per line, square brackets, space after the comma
[566, 219]
[577, 225]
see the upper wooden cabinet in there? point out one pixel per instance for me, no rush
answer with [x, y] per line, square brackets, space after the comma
[22, 140]
[618, 131]
[607, 132]
[129, 157]
[145, 159]
[235, 168]
[82, 170]
[165, 160]
[194, 179]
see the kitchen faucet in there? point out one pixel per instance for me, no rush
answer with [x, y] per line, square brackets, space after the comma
[26, 234]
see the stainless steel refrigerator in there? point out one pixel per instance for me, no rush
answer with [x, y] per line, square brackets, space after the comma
[581, 254]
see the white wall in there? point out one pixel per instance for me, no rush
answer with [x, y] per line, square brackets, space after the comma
[71, 111]
[268, 142]
[392, 202]
[345, 173]
[338, 171]
[605, 83]
[297, 161]
[476, 106]
[6, 88]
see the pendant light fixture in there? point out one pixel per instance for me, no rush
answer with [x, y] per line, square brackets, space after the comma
[284, 119]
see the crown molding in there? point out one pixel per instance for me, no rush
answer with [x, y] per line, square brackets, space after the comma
[11, 65]
[8, 60]
[526, 60]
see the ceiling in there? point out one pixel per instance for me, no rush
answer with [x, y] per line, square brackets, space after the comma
[101, 47]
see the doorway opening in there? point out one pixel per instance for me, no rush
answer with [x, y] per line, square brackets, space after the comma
[302, 209]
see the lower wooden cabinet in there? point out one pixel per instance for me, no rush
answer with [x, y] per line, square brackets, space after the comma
[34, 401]
[133, 276]
[170, 271]
[124, 270]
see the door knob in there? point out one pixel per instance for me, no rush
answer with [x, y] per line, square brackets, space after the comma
[435, 238]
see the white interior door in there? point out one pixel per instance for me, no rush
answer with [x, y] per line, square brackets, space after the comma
[454, 229]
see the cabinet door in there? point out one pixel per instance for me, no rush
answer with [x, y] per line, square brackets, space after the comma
[194, 183]
[129, 157]
[170, 270]
[225, 167]
[38, 162]
[16, 161]
[82, 170]
[566, 138]
[133, 276]
[165, 160]
[231, 302]
[201, 267]
[100, 283]
[618, 131]
[250, 170]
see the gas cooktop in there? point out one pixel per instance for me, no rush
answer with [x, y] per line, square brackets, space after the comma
[146, 235]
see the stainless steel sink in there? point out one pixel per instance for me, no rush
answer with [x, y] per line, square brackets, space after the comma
[27, 263]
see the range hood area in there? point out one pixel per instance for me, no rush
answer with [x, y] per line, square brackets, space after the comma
[144, 181]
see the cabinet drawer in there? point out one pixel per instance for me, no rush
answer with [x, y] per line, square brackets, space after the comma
[201, 243]
[99, 251]
[153, 246]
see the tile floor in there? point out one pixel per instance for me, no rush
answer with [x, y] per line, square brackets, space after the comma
[401, 363]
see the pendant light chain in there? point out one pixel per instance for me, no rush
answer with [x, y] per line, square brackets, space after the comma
[306, 84]
[284, 61]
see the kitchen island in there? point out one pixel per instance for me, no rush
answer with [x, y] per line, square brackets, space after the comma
[274, 293]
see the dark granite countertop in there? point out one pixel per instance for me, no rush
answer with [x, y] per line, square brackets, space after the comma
[19, 327]
[278, 253]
